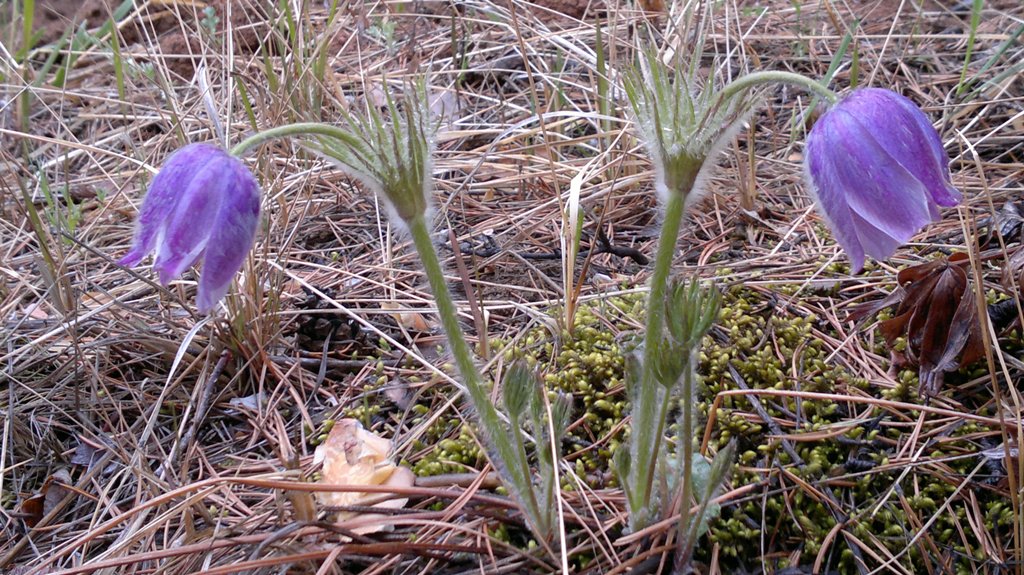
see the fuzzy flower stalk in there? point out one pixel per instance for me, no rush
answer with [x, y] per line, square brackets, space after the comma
[682, 124]
[390, 153]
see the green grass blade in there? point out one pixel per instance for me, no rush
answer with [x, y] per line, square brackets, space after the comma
[28, 12]
[972, 35]
[115, 48]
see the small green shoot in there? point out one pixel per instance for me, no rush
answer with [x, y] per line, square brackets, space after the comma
[115, 49]
[62, 213]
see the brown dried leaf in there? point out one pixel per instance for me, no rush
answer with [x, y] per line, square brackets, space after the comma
[1014, 269]
[88, 453]
[893, 328]
[31, 509]
[870, 308]
[964, 336]
[406, 318]
[929, 329]
[1008, 221]
[41, 504]
[937, 312]
[652, 5]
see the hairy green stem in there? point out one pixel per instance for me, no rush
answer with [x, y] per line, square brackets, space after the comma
[686, 438]
[299, 129]
[540, 515]
[512, 465]
[516, 471]
[775, 77]
[647, 437]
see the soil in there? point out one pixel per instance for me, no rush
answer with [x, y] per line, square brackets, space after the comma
[54, 17]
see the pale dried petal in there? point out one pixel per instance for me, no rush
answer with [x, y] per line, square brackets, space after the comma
[352, 455]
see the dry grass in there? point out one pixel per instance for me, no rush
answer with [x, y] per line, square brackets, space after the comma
[166, 442]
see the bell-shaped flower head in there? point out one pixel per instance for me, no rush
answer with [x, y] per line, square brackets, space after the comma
[204, 204]
[877, 170]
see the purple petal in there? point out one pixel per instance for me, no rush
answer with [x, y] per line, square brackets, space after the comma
[941, 188]
[878, 188]
[830, 195]
[162, 197]
[878, 171]
[905, 132]
[875, 242]
[191, 223]
[134, 255]
[232, 236]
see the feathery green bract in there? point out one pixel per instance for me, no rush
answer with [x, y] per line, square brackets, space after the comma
[389, 151]
[689, 312]
[680, 119]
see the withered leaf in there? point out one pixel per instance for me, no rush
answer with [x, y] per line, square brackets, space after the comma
[34, 508]
[354, 456]
[870, 308]
[1007, 221]
[31, 509]
[937, 312]
[1013, 270]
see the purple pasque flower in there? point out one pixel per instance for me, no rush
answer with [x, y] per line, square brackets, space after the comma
[203, 204]
[878, 172]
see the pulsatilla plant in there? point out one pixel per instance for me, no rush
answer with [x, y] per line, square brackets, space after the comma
[682, 123]
[205, 202]
[390, 151]
[877, 171]
[874, 164]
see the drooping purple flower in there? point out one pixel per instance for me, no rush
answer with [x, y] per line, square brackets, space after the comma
[878, 172]
[204, 204]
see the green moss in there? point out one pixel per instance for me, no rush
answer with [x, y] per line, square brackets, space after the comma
[767, 347]
[446, 454]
